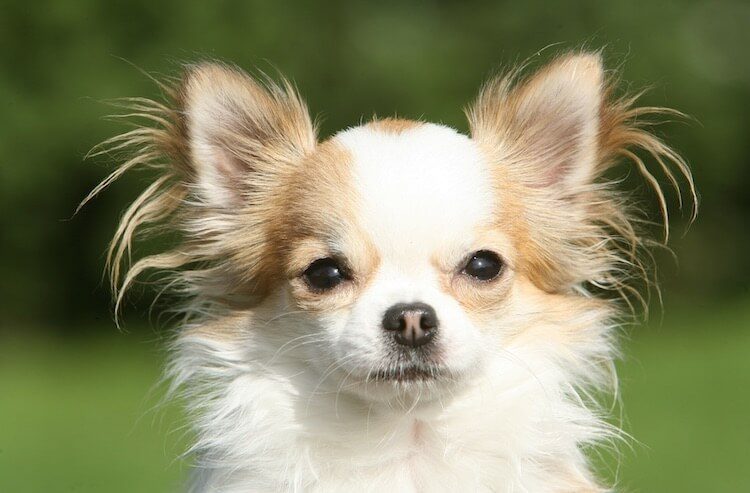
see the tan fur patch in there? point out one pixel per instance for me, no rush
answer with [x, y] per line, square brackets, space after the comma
[223, 256]
[557, 322]
[569, 233]
[481, 298]
[321, 222]
[393, 125]
[224, 328]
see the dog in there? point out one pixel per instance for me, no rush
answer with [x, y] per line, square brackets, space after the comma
[400, 307]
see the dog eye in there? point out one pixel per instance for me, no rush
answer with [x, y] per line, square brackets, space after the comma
[484, 265]
[324, 274]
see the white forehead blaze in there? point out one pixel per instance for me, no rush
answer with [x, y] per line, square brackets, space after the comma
[422, 191]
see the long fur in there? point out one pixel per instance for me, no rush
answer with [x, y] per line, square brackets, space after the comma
[609, 249]
[237, 384]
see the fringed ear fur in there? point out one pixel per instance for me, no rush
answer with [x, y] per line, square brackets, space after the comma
[241, 132]
[553, 135]
[223, 143]
[550, 120]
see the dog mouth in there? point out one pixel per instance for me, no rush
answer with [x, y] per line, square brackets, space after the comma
[407, 374]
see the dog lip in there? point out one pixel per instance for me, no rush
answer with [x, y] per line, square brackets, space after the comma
[406, 374]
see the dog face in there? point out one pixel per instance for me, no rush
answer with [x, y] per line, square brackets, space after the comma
[397, 261]
[404, 248]
[405, 256]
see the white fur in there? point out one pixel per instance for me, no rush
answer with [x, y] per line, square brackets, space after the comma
[284, 403]
[421, 193]
[420, 190]
[266, 422]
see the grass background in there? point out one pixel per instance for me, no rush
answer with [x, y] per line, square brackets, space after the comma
[79, 415]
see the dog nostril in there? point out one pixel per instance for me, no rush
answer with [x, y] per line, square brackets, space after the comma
[413, 324]
[393, 319]
[428, 320]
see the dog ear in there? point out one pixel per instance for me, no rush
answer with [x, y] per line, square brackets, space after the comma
[241, 133]
[546, 127]
[551, 137]
[223, 144]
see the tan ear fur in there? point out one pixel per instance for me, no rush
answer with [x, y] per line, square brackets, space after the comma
[239, 128]
[223, 143]
[550, 120]
[551, 137]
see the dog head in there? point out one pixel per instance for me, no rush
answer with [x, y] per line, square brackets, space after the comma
[400, 255]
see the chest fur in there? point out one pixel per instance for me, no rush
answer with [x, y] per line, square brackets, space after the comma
[486, 440]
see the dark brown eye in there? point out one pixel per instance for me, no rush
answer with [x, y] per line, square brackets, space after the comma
[484, 265]
[324, 274]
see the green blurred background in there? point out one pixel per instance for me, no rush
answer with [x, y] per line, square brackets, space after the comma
[78, 410]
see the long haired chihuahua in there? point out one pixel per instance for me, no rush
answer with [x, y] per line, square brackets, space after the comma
[399, 307]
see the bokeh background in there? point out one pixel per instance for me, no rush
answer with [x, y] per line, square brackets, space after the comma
[77, 409]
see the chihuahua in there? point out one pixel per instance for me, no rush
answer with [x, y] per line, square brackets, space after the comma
[400, 307]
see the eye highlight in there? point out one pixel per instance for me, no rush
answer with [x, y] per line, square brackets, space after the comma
[483, 265]
[324, 274]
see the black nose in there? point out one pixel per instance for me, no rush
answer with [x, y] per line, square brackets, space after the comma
[412, 324]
